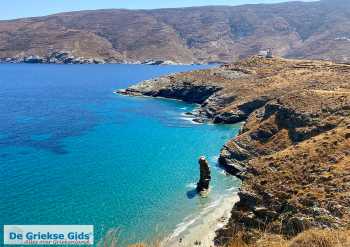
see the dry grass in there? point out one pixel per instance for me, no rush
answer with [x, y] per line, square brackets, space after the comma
[325, 238]
[297, 143]
[152, 244]
[310, 238]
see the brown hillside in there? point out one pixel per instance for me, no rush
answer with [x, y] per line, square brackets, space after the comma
[317, 30]
[293, 151]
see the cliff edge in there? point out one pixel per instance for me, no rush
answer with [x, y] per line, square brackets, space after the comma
[293, 151]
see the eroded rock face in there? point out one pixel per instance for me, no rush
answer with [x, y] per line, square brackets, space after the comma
[166, 87]
[205, 177]
[292, 152]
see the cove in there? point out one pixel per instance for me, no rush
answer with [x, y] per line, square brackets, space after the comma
[72, 152]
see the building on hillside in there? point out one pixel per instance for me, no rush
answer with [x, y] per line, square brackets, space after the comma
[266, 53]
[269, 53]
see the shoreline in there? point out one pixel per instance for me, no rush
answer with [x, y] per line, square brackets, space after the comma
[201, 229]
[198, 228]
[292, 151]
[63, 58]
[121, 63]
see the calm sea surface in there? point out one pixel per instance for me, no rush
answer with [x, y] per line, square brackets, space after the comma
[72, 152]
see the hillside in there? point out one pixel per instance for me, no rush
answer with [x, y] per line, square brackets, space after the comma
[315, 30]
[292, 152]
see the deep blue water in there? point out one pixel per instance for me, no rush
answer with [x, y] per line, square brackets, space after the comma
[72, 152]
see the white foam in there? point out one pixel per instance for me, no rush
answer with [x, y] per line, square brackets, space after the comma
[180, 228]
[194, 228]
[192, 185]
[214, 158]
[184, 114]
[231, 189]
[190, 119]
[189, 220]
[223, 172]
[212, 205]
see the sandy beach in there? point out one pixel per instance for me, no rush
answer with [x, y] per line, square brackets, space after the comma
[200, 230]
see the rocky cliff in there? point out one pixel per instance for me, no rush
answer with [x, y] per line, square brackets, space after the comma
[292, 152]
[317, 30]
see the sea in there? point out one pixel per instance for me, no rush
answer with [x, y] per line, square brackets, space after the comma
[72, 152]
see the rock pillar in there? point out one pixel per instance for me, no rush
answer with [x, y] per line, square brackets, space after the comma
[204, 180]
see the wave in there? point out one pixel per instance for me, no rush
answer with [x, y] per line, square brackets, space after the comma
[214, 159]
[182, 227]
[212, 205]
[223, 172]
[189, 220]
[189, 119]
[231, 189]
[192, 185]
[209, 219]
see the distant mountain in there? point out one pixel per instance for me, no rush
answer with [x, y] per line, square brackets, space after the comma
[200, 34]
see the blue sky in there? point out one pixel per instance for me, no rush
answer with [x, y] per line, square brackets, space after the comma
[24, 8]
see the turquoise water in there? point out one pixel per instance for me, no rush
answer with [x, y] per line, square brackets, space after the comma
[72, 152]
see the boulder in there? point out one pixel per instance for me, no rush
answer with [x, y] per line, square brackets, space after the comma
[335, 209]
[234, 151]
[33, 59]
[251, 221]
[265, 213]
[229, 117]
[294, 225]
[248, 200]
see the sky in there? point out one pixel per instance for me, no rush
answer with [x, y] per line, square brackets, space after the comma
[11, 9]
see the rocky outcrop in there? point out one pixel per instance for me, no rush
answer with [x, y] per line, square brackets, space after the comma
[292, 152]
[164, 87]
[159, 62]
[295, 185]
[285, 118]
[59, 57]
[67, 57]
[205, 177]
[242, 112]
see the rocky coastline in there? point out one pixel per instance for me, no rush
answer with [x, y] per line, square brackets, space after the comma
[313, 30]
[66, 57]
[292, 153]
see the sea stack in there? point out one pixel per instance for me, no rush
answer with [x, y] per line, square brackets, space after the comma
[204, 180]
